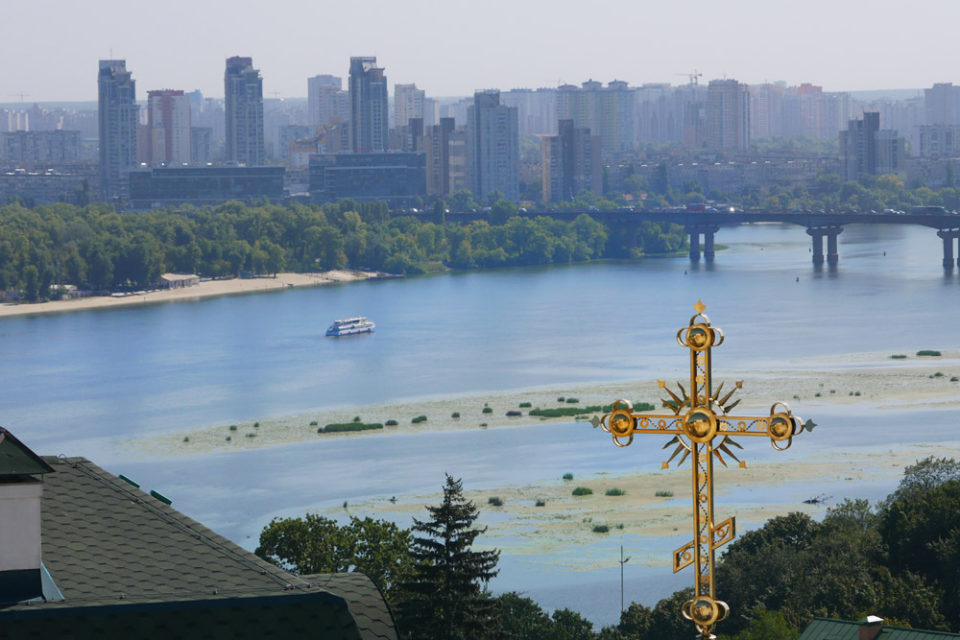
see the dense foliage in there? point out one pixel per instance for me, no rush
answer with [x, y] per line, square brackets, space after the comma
[899, 560]
[314, 544]
[445, 597]
[96, 248]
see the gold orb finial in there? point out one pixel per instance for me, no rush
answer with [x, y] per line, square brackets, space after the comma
[700, 307]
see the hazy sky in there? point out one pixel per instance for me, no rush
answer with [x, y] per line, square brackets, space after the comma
[50, 48]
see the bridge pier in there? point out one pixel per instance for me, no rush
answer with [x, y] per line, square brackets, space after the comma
[708, 247]
[816, 234]
[708, 251]
[949, 236]
[695, 246]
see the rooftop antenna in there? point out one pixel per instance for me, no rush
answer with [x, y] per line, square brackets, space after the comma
[21, 94]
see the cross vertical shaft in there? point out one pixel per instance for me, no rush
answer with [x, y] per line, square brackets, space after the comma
[703, 429]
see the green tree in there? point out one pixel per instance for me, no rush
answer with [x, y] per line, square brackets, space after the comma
[444, 597]
[315, 544]
[522, 618]
[31, 283]
[768, 625]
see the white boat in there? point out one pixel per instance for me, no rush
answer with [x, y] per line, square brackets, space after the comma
[350, 326]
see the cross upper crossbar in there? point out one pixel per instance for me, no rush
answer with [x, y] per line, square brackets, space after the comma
[702, 429]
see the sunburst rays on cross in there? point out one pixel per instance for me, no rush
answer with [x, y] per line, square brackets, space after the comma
[703, 429]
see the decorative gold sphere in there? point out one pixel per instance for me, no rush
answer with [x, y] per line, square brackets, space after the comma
[621, 424]
[699, 424]
[780, 426]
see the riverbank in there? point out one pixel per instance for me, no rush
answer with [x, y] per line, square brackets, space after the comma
[205, 289]
[873, 379]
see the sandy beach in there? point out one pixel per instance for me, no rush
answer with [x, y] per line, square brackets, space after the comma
[206, 289]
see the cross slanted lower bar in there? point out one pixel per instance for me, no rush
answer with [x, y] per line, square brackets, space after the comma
[703, 429]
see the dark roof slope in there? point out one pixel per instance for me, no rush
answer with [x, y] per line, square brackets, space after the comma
[113, 550]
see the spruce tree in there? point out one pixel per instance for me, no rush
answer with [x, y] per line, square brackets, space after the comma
[445, 597]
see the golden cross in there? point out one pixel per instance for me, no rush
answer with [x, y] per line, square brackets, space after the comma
[703, 429]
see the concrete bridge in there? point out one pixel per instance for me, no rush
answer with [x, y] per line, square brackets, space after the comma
[705, 224]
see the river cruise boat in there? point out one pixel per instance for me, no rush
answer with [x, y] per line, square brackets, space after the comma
[350, 326]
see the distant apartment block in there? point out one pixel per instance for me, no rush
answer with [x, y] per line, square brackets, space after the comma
[609, 112]
[163, 186]
[39, 149]
[47, 186]
[865, 149]
[728, 116]
[570, 163]
[395, 177]
[369, 116]
[243, 109]
[936, 141]
[118, 114]
[858, 147]
[326, 100]
[201, 144]
[408, 103]
[942, 104]
[168, 124]
[493, 147]
[446, 149]
[408, 137]
[536, 110]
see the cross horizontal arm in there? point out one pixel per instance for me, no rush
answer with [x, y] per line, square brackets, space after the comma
[744, 425]
[623, 424]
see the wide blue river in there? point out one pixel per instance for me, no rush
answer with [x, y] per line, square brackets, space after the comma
[81, 383]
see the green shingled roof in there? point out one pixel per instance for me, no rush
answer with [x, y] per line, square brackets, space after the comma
[16, 459]
[826, 629]
[126, 560]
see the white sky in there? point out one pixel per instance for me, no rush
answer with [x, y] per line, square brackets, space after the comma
[50, 48]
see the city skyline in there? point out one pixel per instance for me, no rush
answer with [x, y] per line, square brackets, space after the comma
[841, 46]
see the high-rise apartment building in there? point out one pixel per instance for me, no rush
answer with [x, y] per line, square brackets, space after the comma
[728, 116]
[445, 145]
[493, 147]
[942, 104]
[326, 100]
[168, 121]
[536, 110]
[243, 111]
[609, 112]
[858, 146]
[570, 163]
[369, 116]
[408, 103]
[117, 112]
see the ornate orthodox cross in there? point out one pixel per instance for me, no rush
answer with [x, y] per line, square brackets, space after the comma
[702, 429]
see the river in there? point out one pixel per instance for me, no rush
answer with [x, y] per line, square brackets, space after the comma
[82, 383]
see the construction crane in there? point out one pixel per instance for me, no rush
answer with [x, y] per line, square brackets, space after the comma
[693, 77]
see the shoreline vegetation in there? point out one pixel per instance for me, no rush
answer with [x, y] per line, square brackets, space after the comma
[49, 251]
[208, 288]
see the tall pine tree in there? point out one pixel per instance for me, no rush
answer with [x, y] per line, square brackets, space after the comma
[445, 597]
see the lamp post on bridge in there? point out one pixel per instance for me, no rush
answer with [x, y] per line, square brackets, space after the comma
[623, 561]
